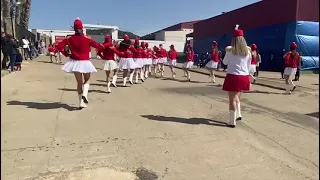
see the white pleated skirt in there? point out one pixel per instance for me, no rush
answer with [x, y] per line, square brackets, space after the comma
[172, 62]
[188, 65]
[52, 54]
[127, 63]
[252, 69]
[139, 62]
[147, 61]
[162, 60]
[212, 65]
[290, 71]
[82, 66]
[110, 65]
[155, 61]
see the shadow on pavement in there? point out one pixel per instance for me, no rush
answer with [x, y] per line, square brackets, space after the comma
[260, 92]
[180, 80]
[192, 121]
[74, 90]
[315, 114]
[205, 90]
[42, 105]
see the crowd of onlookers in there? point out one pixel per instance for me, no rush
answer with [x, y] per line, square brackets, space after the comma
[13, 56]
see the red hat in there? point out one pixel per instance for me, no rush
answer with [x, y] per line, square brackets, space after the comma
[136, 40]
[160, 45]
[142, 43]
[189, 46]
[293, 45]
[237, 32]
[146, 44]
[77, 24]
[107, 38]
[254, 47]
[126, 37]
[172, 46]
[215, 43]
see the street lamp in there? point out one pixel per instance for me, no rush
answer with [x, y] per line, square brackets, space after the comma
[13, 9]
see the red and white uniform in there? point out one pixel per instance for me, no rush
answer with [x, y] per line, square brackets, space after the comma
[291, 61]
[214, 61]
[254, 55]
[126, 57]
[108, 55]
[237, 78]
[155, 53]
[162, 54]
[137, 55]
[148, 54]
[172, 56]
[51, 50]
[190, 58]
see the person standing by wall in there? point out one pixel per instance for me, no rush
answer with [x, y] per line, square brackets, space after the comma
[26, 48]
[13, 51]
[4, 49]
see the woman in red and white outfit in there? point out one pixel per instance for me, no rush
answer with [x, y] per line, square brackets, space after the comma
[291, 60]
[190, 61]
[172, 60]
[155, 59]
[126, 62]
[213, 63]
[253, 66]
[162, 59]
[238, 59]
[52, 52]
[138, 59]
[148, 60]
[77, 47]
[108, 54]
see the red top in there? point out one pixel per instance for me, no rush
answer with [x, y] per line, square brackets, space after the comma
[137, 52]
[291, 60]
[173, 54]
[190, 56]
[254, 59]
[215, 55]
[124, 53]
[145, 53]
[51, 49]
[158, 53]
[163, 53]
[149, 53]
[108, 53]
[79, 47]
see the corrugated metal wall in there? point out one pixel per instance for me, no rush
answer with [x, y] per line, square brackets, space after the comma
[308, 10]
[262, 13]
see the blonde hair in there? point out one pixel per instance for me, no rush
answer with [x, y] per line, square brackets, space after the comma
[239, 46]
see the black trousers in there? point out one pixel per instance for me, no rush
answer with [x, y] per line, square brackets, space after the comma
[282, 72]
[257, 71]
[297, 76]
[5, 60]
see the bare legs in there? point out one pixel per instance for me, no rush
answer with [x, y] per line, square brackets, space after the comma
[186, 73]
[139, 71]
[161, 66]
[172, 71]
[289, 83]
[212, 76]
[82, 88]
[113, 81]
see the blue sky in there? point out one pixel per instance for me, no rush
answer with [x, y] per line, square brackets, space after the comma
[138, 16]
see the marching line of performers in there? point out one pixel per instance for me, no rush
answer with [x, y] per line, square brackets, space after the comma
[137, 58]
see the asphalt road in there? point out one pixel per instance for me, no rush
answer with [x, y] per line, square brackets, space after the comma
[160, 129]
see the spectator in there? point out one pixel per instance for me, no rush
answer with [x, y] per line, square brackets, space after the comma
[43, 46]
[26, 48]
[4, 49]
[13, 51]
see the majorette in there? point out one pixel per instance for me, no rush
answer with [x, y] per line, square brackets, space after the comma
[162, 59]
[147, 60]
[253, 65]
[238, 59]
[52, 52]
[291, 60]
[172, 60]
[214, 61]
[155, 59]
[126, 62]
[190, 61]
[108, 54]
[77, 47]
[137, 57]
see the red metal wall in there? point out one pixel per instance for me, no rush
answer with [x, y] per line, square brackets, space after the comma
[263, 13]
[308, 10]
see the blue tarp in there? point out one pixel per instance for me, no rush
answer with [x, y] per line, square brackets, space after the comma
[273, 41]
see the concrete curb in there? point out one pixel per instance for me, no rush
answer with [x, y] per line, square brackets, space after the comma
[220, 76]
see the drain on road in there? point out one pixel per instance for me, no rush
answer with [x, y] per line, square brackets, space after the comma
[144, 174]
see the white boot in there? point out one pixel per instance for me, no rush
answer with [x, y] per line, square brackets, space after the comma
[114, 81]
[288, 89]
[189, 78]
[142, 75]
[131, 78]
[213, 79]
[125, 81]
[81, 102]
[238, 115]
[85, 93]
[137, 78]
[232, 123]
[108, 87]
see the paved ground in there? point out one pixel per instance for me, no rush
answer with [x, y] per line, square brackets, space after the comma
[161, 129]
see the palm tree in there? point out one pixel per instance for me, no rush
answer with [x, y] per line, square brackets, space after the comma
[25, 13]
